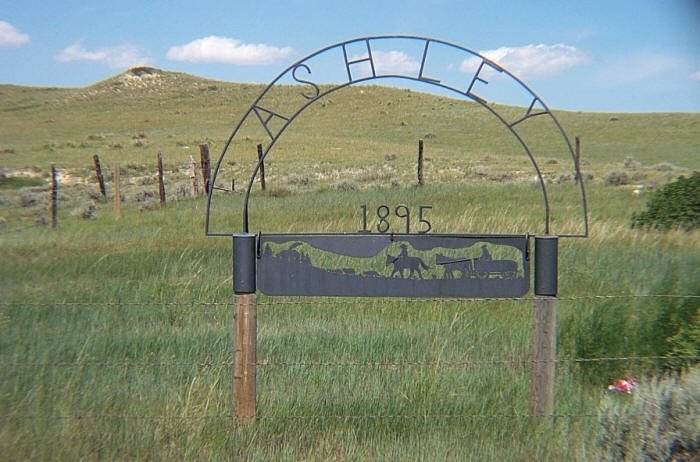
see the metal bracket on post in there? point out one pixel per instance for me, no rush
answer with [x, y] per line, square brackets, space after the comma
[544, 336]
[245, 325]
[546, 265]
[244, 261]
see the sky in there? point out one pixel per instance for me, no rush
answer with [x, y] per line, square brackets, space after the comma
[602, 56]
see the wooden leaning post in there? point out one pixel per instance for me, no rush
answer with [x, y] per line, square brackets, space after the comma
[161, 181]
[206, 167]
[262, 167]
[100, 176]
[544, 334]
[420, 162]
[245, 325]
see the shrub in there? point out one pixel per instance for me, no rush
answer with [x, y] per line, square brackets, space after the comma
[659, 422]
[675, 331]
[664, 327]
[630, 163]
[278, 191]
[675, 205]
[344, 185]
[616, 178]
[664, 167]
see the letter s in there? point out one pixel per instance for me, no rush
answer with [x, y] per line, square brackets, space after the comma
[316, 89]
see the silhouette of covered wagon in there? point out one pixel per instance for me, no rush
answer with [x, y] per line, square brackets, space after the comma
[479, 267]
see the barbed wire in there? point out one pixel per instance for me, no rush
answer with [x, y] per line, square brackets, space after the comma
[111, 304]
[431, 417]
[267, 302]
[485, 299]
[376, 364]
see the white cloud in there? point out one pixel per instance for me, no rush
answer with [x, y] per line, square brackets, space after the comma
[394, 62]
[695, 75]
[531, 61]
[117, 57]
[227, 50]
[10, 36]
[385, 63]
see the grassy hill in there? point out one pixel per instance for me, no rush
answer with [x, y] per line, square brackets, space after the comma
[364, 136]
[129, 116]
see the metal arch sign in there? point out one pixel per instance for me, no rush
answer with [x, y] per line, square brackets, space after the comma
[367, 264]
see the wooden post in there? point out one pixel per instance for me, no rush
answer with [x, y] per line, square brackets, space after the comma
[544, 329]
[206, 167]
[100, 177]
[193, 176]
[245, 324]
[161, 183]
[262, 166]
[117, 193]
[420, 162]
[543, 356]
[54, 197]
[245, 355]
[578, 160]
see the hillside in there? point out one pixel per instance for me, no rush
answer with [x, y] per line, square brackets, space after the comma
[131, 115]
[360, 137]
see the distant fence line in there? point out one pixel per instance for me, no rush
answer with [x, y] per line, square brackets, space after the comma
[194, 172]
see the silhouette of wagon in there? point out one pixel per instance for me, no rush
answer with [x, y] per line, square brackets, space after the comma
[480, 268]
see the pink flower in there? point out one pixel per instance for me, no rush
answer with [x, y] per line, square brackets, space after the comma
[623, 386]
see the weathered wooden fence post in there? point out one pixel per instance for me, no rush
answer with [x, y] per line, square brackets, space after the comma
[100, 177]
[161, 182]
[420, 162]
[206, 167]
[117, 192]
[193, 176]
[262, 167]
[544, 336]
[245, 325]
[54, 197]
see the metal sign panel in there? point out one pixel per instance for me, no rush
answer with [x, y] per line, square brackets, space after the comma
[390, 265]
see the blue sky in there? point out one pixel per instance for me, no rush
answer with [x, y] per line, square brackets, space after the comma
[609, 56]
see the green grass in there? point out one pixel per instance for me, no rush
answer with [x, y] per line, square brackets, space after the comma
[140, 361]
[116, 334]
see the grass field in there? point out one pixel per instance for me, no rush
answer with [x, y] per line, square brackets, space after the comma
[115, 334]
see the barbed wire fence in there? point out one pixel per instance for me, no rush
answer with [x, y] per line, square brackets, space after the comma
[7, 365]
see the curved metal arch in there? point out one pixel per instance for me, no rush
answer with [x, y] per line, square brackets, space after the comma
[319, 94]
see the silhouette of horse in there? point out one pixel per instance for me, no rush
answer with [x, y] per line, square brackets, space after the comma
[401, 263]
[452, 265]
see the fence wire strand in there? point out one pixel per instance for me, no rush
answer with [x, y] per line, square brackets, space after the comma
[350, 364]
[269, 302]
[294, 417]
